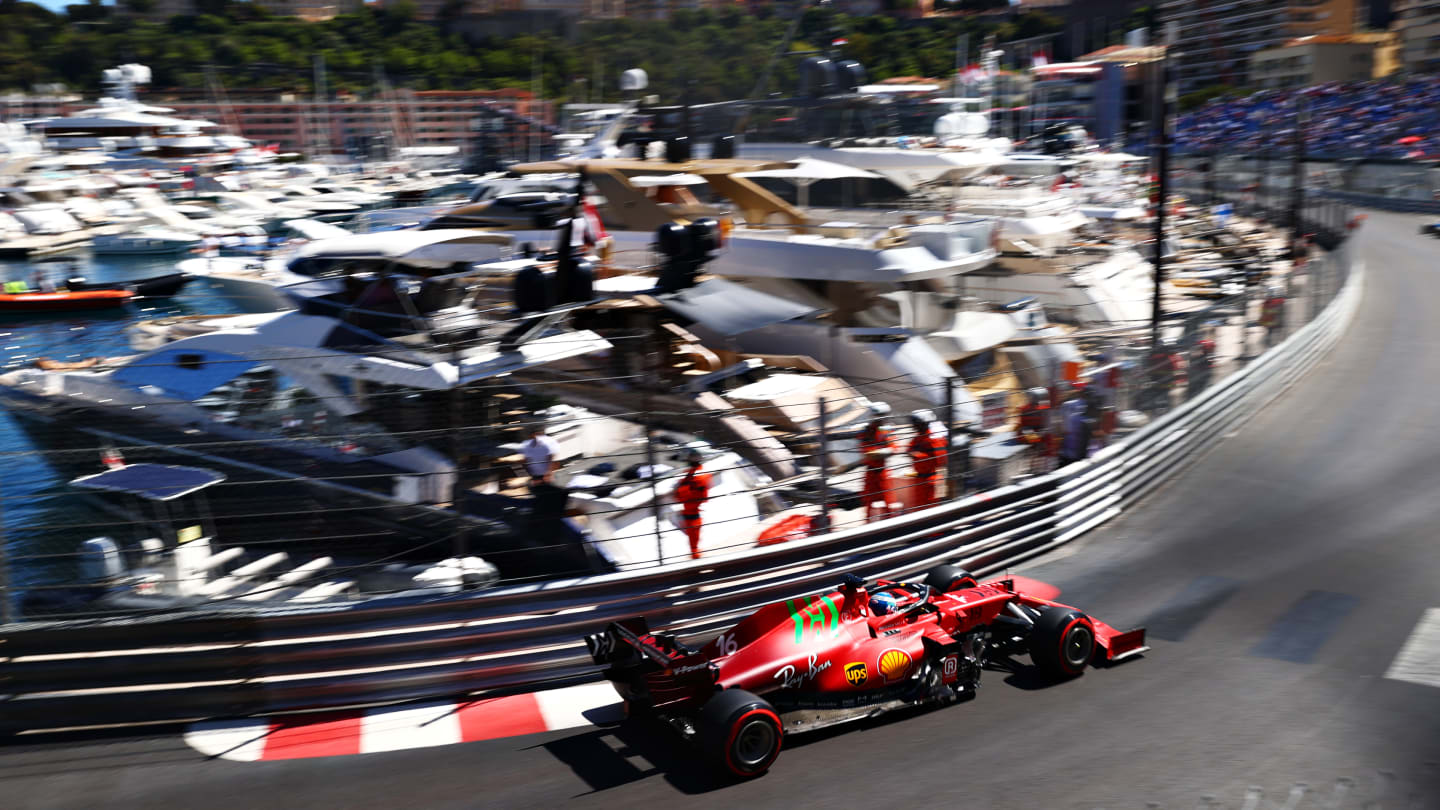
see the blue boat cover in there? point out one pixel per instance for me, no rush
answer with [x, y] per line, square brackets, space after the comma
[153, 482]
[186, 374]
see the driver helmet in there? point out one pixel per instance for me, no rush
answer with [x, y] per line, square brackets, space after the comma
[883, 603]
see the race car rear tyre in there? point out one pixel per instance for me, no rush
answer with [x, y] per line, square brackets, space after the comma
[947, 578]
[740, 732]
[1062, 642]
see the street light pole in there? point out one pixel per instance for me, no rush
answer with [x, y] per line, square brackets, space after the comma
[1297, 178]
[1160, 139]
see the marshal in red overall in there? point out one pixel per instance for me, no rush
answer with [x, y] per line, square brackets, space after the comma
[811, 662]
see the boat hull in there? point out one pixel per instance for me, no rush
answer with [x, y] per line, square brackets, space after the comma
[21, 303]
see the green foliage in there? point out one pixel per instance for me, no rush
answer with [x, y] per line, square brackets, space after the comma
[717, 54]
[1190, 101]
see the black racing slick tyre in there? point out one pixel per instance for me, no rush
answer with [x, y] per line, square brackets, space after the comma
[947, 578]
[740, 732]
[1062, 642]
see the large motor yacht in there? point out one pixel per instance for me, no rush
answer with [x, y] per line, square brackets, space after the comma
[123, 127]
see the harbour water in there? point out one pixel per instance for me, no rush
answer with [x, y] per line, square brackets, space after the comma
[42, 524]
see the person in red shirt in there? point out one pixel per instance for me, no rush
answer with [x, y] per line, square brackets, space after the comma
[927, 456]
[692, 492]
[1272, 315]
[1034, 419]
[875, 449]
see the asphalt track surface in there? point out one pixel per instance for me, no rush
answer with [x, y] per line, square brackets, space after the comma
[1279, 576]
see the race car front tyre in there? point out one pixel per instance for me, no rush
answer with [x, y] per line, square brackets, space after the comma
[947, 578]
[740, 732]
[1062, 642]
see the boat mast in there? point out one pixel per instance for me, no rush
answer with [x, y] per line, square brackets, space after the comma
[322, 140]
[764, 82]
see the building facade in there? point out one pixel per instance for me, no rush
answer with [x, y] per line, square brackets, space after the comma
[308, 10]
[1320, 59]
[1217, 37]
[1105, 91]
[1417, 22]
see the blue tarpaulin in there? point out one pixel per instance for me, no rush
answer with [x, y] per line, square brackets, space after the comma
[184, 373]
[154, 482]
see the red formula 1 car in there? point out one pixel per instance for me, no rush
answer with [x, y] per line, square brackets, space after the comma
[808, 663]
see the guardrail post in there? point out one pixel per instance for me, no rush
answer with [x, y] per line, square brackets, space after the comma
[460, 544]
[7, 606]
[654, 485]
[822, 525]
[953, 485]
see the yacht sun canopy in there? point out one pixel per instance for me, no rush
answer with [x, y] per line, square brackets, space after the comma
[727, 308]
[153, 482]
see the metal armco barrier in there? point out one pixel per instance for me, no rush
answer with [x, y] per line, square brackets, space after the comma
[234, 662]
[1401, 204]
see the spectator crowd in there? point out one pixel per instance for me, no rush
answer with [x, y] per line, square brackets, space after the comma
[1383, 118]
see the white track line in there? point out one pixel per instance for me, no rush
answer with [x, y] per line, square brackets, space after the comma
[1419, 660]
[238, 740]
[582, 705]
[422, 726]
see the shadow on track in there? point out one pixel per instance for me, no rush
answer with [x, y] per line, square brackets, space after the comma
[635, 750]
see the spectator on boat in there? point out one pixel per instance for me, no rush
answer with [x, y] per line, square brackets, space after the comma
[1076, 427]
[556, 535]
[41, 282]
[541, 454]
[1272, 315]
[1199, 366]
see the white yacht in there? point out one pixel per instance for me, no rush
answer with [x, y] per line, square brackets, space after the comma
[307, 387]
[149, 241]
[120, 126]
[324, 258]
[353, 415]
[1028, 217]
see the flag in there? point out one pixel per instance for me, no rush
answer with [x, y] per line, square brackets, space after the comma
[594, 228]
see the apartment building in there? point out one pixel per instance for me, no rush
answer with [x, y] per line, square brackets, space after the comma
[578, 9]
[1326, 58]
[1417, 23]
[408, 118]
[308, 10]
[1216, 38]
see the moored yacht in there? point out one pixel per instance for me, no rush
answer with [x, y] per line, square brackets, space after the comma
[121, 127]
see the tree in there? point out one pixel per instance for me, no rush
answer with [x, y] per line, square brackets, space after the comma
[1199, 98]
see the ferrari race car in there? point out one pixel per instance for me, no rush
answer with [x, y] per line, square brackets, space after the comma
[808, 663]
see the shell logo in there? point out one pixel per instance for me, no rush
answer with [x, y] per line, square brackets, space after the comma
[893, 665]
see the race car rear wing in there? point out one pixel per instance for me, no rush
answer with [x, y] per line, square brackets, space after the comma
[630, 641]
[624, 640]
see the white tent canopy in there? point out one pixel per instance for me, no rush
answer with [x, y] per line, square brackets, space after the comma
[812, 169]
[656, 180]
[1111, 157]
[806, 171]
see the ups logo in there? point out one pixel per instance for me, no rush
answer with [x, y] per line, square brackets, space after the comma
[857, 674]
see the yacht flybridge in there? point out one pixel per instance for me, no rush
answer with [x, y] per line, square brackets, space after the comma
[765, 236]
[123, 127]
